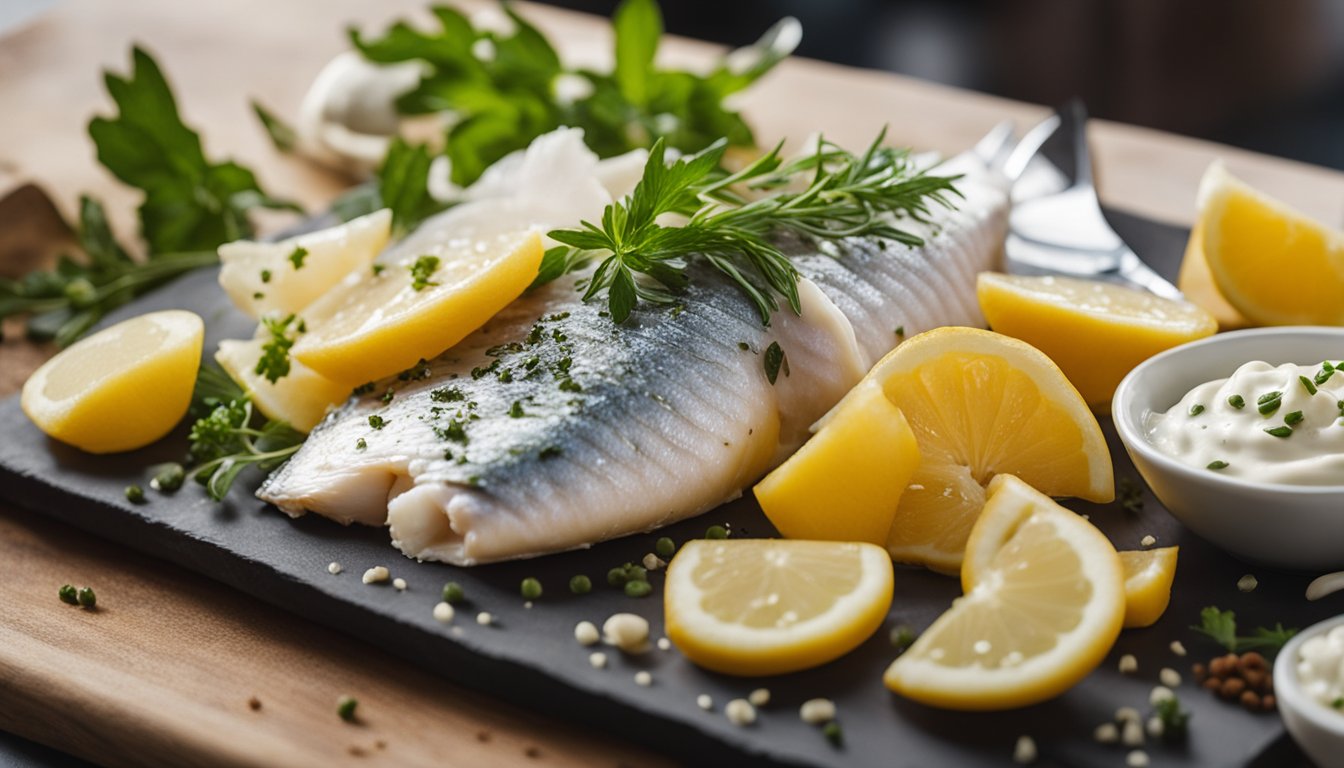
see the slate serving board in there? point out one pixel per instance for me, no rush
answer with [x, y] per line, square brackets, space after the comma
[529, 655]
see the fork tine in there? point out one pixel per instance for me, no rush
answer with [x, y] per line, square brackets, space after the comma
[1030, 144]
[993, 143]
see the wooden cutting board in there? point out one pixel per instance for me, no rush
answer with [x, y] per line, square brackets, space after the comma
[169, 677]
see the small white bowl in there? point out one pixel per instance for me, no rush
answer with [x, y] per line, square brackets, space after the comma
[1286, 526]
[1316, 729]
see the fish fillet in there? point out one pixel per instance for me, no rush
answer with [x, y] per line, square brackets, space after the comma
[552, 428]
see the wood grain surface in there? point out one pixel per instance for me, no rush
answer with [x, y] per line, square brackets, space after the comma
[163, 672]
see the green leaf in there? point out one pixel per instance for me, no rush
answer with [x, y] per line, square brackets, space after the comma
[1267, 639]
[621, 295]
[96, 238]
[403, 184]
[282, 134]
[1220, 626]
[638, 25]
[745, 66]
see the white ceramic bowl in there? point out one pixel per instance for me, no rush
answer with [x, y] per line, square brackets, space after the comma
[1316, 729]
[1286, 526]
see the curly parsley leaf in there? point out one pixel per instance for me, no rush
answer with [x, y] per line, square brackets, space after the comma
[224, 442]
[1221, 627]
[281, 335]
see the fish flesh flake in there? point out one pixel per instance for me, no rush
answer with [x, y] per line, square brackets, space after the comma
[553, 428]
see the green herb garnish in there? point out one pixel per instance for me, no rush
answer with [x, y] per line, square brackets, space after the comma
[1130, 495]
[1280, 432]
[1221, 627]
[516, 410]
[637, 589]
[1175, 720]
[274, 362]
[530, 589]
[833, 733]
[1237, 401]
[848, 195]
[68, 594]
[361, 444]
[86, 598]
[1337, 703]
[421, 271]
[345, 708]
[1293, 418]
[774, 360]
[282, 134]
[376, 421]
[135, 494]
[224, 442]
[168, 478]
[1217, 464]
[453, 593]
[716, 532]
[1307, 384]
[1327, 370]
[1196, 409]
[580, 584]
[265, 275]
[665, 548]
[1269, 402]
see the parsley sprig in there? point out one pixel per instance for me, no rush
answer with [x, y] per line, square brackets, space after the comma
[1221, 627]
[191, 205]
[731, 218]
[281, 333]
[224, 440]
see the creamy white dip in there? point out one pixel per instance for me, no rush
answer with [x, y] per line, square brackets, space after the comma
[1269, 424]
[1320, 668]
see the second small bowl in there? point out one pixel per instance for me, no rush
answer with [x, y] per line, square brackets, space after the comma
[1316, 729]
[1286, 526]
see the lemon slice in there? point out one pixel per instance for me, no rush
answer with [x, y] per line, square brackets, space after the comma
[285, 276]
[770, 606]
[1044, 603]
[121, 388]
[1274, 265]
[374, 325]
[1095, 332]
[1196, 282]
[300, 399]
[980, 404]
[844, 483]
[1148, 577]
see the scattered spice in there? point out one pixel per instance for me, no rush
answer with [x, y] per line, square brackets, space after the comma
[1128, 664]
[817, 711]
[704, 702]
[759, 697]
[399, 584]
[597, 659]
[627, 631]
[586, 633]
[1244, 678]
[254, 704]
[740, 712]
[1130, 495]
[1148, 541]
[485, 619]
[643, 679]
[1177, 647]
[423, 268]
[376, 575]
[345, 707]
[334, 568]
[443, 612]
[296, 257]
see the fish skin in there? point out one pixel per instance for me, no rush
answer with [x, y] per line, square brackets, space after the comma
[672, 418]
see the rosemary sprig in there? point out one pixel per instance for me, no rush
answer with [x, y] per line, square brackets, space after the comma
[730, 219]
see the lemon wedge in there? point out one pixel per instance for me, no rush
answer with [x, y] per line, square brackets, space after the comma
[1274, 265]
[770, 606]
[300, 399]
[121, 388]
[1095, 332]
[374, 325]
[1044, 602]
[1148, 577]
[844, 483]
[285, 276]
[981, 404]
[1196, 282]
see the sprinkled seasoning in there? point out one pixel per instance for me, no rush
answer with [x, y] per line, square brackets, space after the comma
[1148, 541]
[597, 659]
[1169, 677]
[740, 712]
[1177, 647]
[586, 633]
[1128, 664]
[817, 711]
[135, 494]
[759, 697]
[376, 575]
[1196, 409]
[334, 568]
[485, 619]
[704, 702]
[643, 678]
[443, 612]
[1248, 583]
[399, 584]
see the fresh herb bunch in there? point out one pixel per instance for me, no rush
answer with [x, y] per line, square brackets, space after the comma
[191, 205]
[224, 440]
[505, 89]
[731, 218]
[1221, 627]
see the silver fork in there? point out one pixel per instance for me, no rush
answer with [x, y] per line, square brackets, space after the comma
[1062, 230]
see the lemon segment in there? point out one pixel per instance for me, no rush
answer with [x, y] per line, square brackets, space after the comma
[121, 388]
[770, 606]
[1095, 332]
[1196, 282]
[277, 277]
[1149, 574]
[981, 404]
[845, 483]
[1273, 264]
[374, 325]
[300, 399]
[1044, 602]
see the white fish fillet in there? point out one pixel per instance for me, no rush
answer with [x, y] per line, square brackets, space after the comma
[551, 428]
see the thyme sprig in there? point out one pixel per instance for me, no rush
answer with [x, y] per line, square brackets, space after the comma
[731, 218]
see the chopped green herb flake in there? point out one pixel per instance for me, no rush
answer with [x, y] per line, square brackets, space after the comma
[377, 269]
[297, 256]
[516, 410]
[549, 452]
[1307, 384]
[68, 594]
[665, 548]
[1293, 419]
[902, 637]
[265, 275]
[416, 372]
[1196, 409]
[1217, 464]
[900, 331]
[1281, 432]
[833, 733]
[1130, 495]
[345, 708]
[530, 588]
[362, 389]
[447, 395]
[258, 295]
[1338, 703]
[775, 360]
[1175, 720]
[274, 363]
[376, 421]
[86, 597]
[570, 385]
[387, 396]
[1269, 402]
[505, 376]
[744, 346]
[135, 494]
[361, 444]
[716, 532]
[169, 478]
[423, 268]
[1237, 401]
[638, 589]
[453, 593]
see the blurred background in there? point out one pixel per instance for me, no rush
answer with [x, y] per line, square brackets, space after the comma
[1266, 76]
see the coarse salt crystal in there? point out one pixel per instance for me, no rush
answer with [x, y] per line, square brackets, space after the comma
[1160, 694]
[1177, 647]
[597, 659]
[1148, 541]
[626, 631]
[759, 697]
[643, 678]
[443, 613]
[704, 702]
[1137, 759]
[399, 584]
[334, 568]
[817, 711]
[484, 619]
[740, 712]
[1106, 733]
[1247, 583]
[1024, 752]
[586, 633]
[1128, 664]
[1132, 734]
[1169, 677]
[664, 644]
[376, 575]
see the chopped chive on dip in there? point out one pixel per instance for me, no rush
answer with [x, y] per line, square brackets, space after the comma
[1237, 401]
[1196, 409]
[580, 584]
[1293, 418]
[1269, 402]
[530, 588]
[68, 594]
[86, 597]
[1283, 432]
[1217, 464]
[665, 548]
[345, 707]
[453, 593]
[1307, 384]
[135, 494]
[637, 589]
[716, 532]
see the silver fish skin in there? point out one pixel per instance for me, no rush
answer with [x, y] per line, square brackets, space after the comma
[552, 428]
